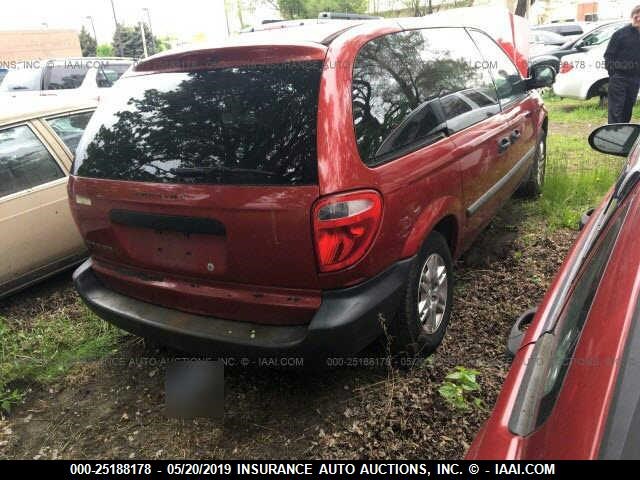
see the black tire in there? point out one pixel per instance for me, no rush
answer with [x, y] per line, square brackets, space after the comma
[603, 102]
[410, 337]
[531, 187]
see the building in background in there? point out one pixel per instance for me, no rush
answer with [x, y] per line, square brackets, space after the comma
[548, 11]
[25, 45]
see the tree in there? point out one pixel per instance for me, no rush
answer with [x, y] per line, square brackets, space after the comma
[131, 40]
[415, 6]
[104, 50]
[521, 7]
[290, 9]
[87, 43]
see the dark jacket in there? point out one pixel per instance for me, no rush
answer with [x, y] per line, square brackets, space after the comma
[623, 52]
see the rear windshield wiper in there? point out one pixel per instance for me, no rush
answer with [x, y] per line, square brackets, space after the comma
[204, 171]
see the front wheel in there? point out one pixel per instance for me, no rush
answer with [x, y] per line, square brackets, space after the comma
[532, 186]
[423, 316]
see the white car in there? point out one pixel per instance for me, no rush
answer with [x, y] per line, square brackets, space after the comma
[70, 76]
[583, 75]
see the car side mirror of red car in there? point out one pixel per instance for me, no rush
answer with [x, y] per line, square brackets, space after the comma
[540, 76]
[586, 216]
[518, 331]
[615, 138]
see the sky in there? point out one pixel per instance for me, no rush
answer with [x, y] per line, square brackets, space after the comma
[180, 18]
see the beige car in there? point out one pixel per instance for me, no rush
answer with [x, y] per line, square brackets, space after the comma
[38, 237]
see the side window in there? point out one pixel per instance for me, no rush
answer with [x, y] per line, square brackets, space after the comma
[63, 77]
[24, 161]
[509, 83]
[70, 127]
[478, 99]
[600, 35]
[21, 79]
[574, 316]
[412, 88]
[107, 75]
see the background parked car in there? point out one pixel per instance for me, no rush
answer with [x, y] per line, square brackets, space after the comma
[566, 29]
[541, 41]
[395, 181]
[592, 38]
[37, 139]
[70, 76]
[583, 75]
[575, 372]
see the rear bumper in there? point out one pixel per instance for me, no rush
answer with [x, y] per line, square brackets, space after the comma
[346, 322]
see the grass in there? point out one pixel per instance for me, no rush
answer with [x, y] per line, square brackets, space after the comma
[569, 110]
[577, 177]
[45, 351]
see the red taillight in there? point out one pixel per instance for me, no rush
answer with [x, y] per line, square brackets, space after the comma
[566, 67]
[344, 226]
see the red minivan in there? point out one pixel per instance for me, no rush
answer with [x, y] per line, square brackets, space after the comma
[573, 391]
[302, 189]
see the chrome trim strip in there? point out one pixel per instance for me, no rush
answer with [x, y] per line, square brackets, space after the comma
[486, 196]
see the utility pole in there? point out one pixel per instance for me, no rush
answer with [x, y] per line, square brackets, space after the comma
[93, 27]
[144, 40]
[119, 39]
[226, 17]
[153, 40]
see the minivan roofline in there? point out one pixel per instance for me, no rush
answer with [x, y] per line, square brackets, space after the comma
[315, 33]
[221, 56]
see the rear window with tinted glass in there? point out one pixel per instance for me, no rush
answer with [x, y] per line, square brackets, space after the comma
[243, 125]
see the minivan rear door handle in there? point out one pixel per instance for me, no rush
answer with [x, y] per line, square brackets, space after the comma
[503, 144]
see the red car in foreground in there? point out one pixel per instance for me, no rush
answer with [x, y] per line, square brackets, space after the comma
[293, 190]
[573, 391]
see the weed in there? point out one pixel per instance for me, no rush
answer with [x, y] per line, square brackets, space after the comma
[458, 389]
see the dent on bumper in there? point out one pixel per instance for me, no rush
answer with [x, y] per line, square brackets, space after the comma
[346, 322]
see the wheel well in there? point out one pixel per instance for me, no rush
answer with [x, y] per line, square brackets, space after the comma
[545, 125]
[448, 228]
[595, 89]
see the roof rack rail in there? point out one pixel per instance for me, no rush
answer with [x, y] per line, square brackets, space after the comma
[346, 16]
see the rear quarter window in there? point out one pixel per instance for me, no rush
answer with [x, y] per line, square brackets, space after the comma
[243, 125]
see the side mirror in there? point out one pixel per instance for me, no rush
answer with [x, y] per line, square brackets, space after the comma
[517, 333]
[579, 47]
[541, 76]
[615, 139]
[586, 216]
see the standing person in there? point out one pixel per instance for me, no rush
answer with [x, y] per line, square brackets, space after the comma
[622, 61]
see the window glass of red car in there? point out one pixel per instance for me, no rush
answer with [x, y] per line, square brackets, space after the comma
[508, 81]
[574, 315]
[245, 125]
[411, 88]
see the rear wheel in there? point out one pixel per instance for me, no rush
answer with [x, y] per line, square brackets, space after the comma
[532, 186]
[422, 319]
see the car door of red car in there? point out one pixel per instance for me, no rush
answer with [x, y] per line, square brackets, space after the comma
[497, 152]
[570, 371]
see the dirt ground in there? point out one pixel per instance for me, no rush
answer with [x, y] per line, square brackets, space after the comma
[113, 408]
